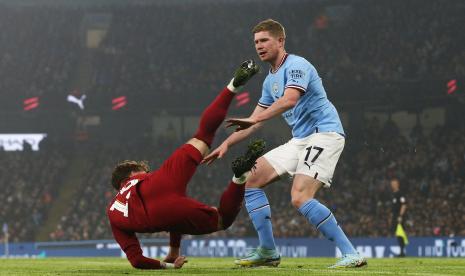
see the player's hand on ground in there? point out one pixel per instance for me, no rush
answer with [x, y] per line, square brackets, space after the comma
[240, 123]
[173, 253]
[219, 152]
[170, 258]
[180, 261]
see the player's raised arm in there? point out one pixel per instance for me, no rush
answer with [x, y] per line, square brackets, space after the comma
[289, 100]
[131, 246]
[233, 139]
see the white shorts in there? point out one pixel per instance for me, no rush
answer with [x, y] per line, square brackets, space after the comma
[315, 156]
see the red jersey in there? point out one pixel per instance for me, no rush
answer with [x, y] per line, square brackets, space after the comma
[127, 215]
[155, 202]
[126, 211]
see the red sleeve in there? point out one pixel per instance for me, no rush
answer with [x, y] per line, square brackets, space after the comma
[131, 246]
[175, 239]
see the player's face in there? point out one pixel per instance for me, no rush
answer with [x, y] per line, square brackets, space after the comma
[267, 46]
[395, 185]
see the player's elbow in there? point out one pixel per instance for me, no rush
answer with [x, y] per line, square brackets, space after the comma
[290, 102]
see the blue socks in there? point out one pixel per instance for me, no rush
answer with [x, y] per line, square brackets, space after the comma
[317, 214]
[259, 211]
[322, 218]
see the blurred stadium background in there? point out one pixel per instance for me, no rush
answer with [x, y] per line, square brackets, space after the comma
[144, 71]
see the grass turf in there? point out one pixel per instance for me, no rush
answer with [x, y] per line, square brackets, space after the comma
[225, 266]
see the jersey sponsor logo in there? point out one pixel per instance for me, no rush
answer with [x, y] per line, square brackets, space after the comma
[296, 74]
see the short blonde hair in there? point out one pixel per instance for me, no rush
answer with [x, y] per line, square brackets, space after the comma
[273, 27]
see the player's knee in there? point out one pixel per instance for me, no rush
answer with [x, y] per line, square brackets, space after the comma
[227, 224]
[224, 223]
[298, 199]
[200, 145]
[254, 181]
[304, 189]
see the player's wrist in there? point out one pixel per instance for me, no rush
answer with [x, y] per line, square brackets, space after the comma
[256, 119]
[226, 144]
[165, 265]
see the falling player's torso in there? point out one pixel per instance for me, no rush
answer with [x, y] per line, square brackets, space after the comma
[127, 210]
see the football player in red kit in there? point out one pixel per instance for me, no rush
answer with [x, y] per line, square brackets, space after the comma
[156, 201]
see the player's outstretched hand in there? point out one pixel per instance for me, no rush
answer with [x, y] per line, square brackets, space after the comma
[180, 261]
[219, 152]
[241, 123]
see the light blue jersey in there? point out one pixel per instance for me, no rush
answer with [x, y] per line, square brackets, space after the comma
[313, 112]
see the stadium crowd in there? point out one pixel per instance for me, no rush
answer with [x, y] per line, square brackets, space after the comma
[174, 50]
[39, 50]
[30, 181]
[390, 41]
[393, 41]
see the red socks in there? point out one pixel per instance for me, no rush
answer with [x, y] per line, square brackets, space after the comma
[231, 202]
[213, 116]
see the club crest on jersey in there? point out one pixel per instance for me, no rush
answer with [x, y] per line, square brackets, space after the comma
[275, 88]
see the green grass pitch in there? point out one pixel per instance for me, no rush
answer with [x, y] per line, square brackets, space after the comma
[225, 266]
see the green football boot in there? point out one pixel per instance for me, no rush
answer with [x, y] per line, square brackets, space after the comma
[260, 257]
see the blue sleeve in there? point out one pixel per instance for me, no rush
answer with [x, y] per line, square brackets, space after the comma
[298, 75]
[266, 100]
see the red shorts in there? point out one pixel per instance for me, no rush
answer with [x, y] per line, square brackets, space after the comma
[163, 193]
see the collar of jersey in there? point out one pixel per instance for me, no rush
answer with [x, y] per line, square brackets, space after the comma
[139, 177]
[280, 64]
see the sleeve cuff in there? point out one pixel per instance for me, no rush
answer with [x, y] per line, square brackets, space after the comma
[264, 105]
[300, 88]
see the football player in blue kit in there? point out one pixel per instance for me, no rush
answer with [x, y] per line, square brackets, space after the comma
[294, 90]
